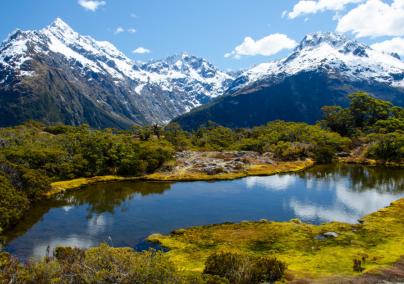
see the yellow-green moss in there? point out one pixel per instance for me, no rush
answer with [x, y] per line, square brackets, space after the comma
[380, 240]
[63, 186]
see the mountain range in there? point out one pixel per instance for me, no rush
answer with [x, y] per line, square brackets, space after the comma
[322, 70]
[58, 75]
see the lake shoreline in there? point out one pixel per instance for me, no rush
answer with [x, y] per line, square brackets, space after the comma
[253, 170]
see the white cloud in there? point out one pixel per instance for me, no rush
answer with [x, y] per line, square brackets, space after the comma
[284, 13]
[306, 19]
[134, 16]
[132, 31]
[337, 16]
[269, 45]
[390, 46]
[141, 50]
[374, 18]
[91, 5]
[118, 31]
[308, 7]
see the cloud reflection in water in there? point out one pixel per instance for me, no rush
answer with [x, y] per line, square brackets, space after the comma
[276, 182]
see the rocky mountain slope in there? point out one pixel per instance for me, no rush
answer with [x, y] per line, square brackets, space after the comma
[57, 75]
[322, 70]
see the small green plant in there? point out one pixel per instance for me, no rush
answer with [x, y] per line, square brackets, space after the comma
[357, 265]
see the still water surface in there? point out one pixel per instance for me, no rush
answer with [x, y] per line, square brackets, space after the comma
[125, 213]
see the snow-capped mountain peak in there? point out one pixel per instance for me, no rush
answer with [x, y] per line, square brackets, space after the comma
[61, 27]
[315, 40]
[332, 53]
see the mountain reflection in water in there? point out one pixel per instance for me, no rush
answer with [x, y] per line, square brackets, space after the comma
[124, 213]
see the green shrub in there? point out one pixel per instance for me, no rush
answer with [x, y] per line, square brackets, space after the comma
[13, 204]
[324, 153]
[387, 147]
[130, 166]
[244, 268]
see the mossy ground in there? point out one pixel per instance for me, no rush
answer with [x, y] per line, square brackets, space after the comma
[63, 186]
[380, 239]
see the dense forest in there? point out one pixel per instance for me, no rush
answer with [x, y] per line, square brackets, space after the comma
[34, 155]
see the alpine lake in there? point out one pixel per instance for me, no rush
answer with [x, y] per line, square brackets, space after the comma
[123, 214]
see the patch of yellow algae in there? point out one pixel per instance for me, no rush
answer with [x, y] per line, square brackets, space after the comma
[63, 186]
[253, 170]
[379, 240]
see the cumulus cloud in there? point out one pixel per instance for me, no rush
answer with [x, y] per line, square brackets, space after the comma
[309, 7]
[374, 18]
[118, 31]
[91, 5]
[141, 50]
[269, 45]
[134, 16]
[396, 45]
[132, 31]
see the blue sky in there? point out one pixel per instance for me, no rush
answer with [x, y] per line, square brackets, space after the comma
[213, 29]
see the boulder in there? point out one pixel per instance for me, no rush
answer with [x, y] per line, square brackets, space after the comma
[208, 169]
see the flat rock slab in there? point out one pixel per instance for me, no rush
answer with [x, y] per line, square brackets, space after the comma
[331, 235]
